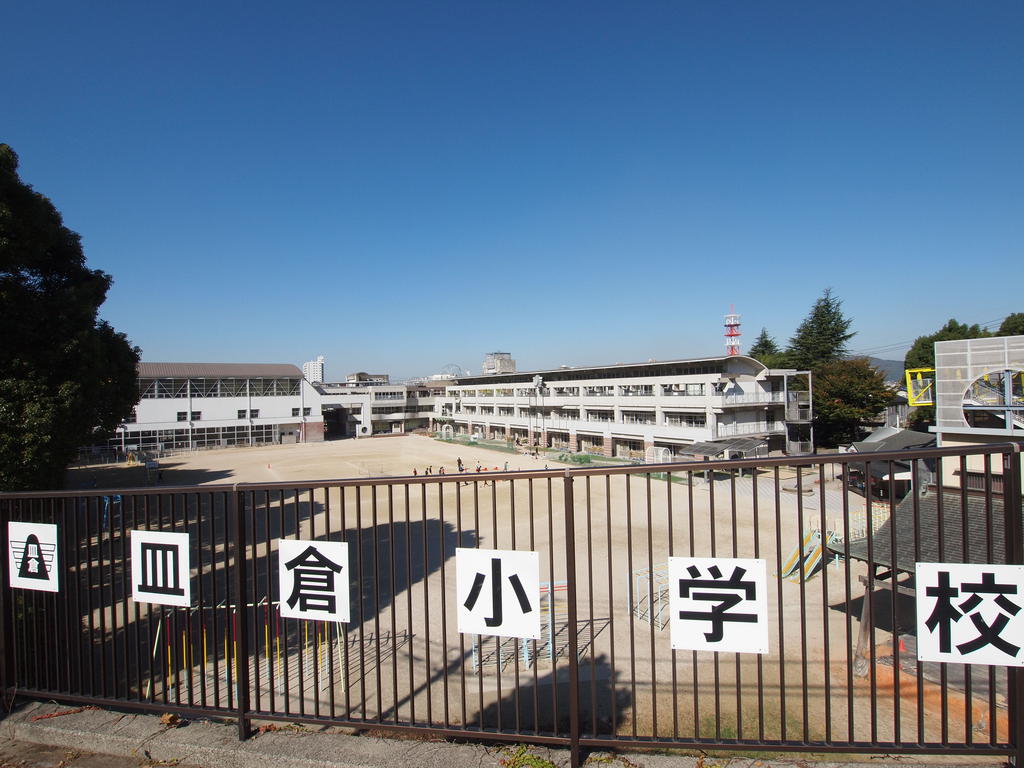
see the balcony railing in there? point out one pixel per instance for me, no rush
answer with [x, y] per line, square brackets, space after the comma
[754, 398]
[796, 413]
[751, 428]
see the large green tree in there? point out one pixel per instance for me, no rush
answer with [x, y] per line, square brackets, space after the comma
[847, 394]
[922, 353]
[1012, 325]
[65, 375]
[822, 335]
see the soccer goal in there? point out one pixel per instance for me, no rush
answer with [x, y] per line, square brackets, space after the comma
[657, 454]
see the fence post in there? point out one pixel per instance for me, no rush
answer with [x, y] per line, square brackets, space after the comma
[6, 613]
[242, 622]
[1014, 555]
[570, 596]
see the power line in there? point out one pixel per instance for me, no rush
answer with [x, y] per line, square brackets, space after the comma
[987, 325]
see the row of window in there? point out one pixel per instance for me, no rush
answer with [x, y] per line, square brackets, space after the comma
[628, 417]
[161, 389]
[164, 439]
[606, 390]
[698, 420]
[241, 413]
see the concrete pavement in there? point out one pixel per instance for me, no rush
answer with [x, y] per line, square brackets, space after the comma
[49, 735]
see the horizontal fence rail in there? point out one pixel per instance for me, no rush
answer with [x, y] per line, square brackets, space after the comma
[605, 662]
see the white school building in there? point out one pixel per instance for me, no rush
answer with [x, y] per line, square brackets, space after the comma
[628, 410]
[205, 405]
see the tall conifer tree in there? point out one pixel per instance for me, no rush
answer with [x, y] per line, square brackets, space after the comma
[822, 336]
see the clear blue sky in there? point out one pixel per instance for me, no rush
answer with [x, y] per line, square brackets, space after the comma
[399, 186]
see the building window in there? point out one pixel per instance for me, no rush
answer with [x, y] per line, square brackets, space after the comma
[197, 415]
[686, 420]
[307, 411]
[638, 417]
[254, 413]
[182, 415]
[295, 411]
[691, 390]
[636, 390]
[241, 413]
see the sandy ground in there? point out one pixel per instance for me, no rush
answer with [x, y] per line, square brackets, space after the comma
[402, 659]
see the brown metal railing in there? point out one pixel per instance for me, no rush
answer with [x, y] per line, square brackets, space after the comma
[840, 675]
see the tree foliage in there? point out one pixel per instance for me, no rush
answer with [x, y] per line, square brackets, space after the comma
[847, 393]
[822, 335]
[63, 372]
[764, 345]
[922, 353]
[1012, 325]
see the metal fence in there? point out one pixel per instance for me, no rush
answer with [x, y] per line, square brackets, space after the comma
[840, 675]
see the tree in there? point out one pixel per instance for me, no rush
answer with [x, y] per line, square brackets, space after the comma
[64, 374]
[922, 353]
[847, 393]
[767, 352]
[822, 336]
[1012, 325]
[765, 345]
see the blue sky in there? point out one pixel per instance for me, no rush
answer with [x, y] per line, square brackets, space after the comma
[399, 186]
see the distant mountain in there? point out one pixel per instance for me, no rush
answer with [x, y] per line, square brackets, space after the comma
[893, 369]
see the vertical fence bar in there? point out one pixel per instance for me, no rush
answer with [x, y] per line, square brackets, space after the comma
[1015, 555]
[6, 615]
[570, 597]
[242, 620]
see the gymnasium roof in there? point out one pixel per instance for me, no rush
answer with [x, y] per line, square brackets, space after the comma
[218, 371]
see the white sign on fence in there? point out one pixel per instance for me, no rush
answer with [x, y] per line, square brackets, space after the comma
[970, 613]
[313, 578]
[32, 556]
[498, 592]
[718, 604]
[160, 568]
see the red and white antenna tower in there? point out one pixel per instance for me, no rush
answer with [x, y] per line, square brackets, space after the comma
[732, 332]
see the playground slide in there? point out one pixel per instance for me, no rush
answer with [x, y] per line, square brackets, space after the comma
[811, 542]
[808, 557]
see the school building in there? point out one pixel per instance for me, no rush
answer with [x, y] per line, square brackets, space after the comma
[718, 406]
[204, 405]
[367, 405]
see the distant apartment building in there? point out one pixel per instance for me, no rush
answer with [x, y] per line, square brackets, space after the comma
[313, 371]
[627, 410]
[498, 362]
[205, 405]
[367, 378]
